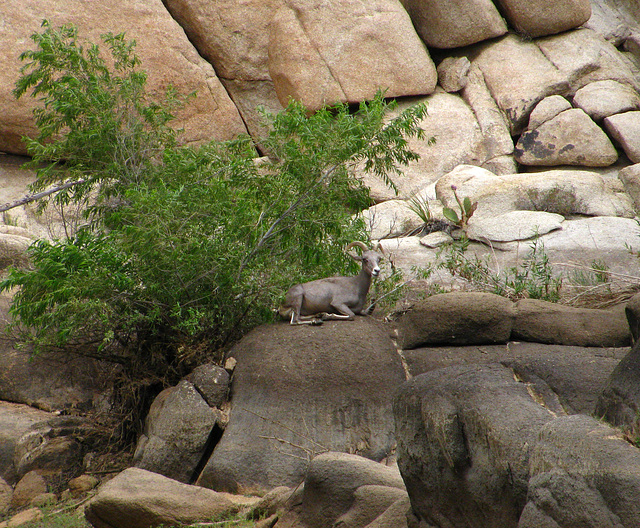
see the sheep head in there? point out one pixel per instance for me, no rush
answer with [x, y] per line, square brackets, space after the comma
[370, 258]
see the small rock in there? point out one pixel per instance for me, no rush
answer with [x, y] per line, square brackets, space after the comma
[230, 364]
[269, 522]
[602, 99]
[24, 517]
[82, 484]
[30, 486]
[44, 499]
[625, 129]
[453, 72]
[547, 109]
[138, 499]
[436, 239]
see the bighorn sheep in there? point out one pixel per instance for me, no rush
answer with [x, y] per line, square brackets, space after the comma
[333, 297]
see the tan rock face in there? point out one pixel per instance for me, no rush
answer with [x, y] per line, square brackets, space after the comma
[518, 75]
[322, 53]
[234, 36]
[166, 54]
[541, 17]
[446, 24]
[570, 138]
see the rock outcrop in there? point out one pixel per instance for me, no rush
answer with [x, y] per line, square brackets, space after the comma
[162, 46]
[300, 391]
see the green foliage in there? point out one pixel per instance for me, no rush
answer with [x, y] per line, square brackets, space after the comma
[420, 206]
[467, 208]
[57, 519]
[96, 123]
[189, 247]
[533, 278]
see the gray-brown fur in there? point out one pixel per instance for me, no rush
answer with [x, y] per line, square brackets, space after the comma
[333, 297]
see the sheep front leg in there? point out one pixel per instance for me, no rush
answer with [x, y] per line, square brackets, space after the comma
[343, 313]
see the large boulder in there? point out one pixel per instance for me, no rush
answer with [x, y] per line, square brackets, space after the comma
[512, 226]
[137, 498]
[518, 76]
[625, 129]
[177, 433]
[545, 322]
[572, 378]
[619, 403]
[498, 143]
[630, 177]
[602, 99]
[313, 47]
[519, 73]
[443, 24]
[348, 490]
[52, 447]
[15, 421]
[583, 473]
[299, 391]
[534, 19]
[562, 191]
[457, 318]
[464, 438]
[165, 52]
[458, 136]
[49, 381]
[234, 38]
[614, 20]
[570, 138]
[6, 494]
[582, 57]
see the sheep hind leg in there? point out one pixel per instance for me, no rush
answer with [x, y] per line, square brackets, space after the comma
[313, 320]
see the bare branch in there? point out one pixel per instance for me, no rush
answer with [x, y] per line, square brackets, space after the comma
[33, 197]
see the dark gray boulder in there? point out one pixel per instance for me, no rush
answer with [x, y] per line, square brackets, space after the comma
[464, 437]
[348, 490]
[583, 474]
[461, 318]
[211, 382]
[299, 391]
[632, 311]
[619, 402]
[50, 381]
[552, 323]
[573, 377]
[178, 429]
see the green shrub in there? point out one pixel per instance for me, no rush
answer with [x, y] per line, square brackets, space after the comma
[533, 278]
[186, 249]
